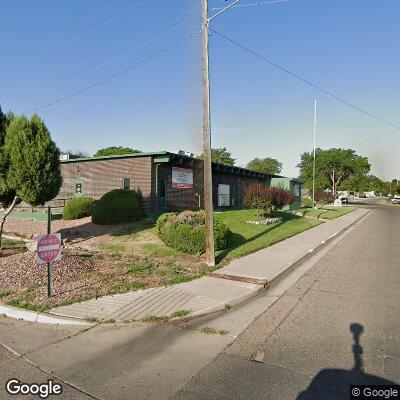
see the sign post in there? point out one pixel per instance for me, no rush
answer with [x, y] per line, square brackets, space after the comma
[48, 250]
[48, 263]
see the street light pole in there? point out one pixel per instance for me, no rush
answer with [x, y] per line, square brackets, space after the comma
[208, 203]
[315, 132]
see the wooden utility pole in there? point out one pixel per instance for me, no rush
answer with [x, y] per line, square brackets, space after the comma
[208, 203]
[314, 148]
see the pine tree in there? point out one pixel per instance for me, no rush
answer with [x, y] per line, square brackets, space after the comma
[29, 164]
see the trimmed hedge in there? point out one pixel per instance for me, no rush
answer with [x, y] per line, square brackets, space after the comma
[186, 232]
[78, 207]
[306, 202]
[115, 207]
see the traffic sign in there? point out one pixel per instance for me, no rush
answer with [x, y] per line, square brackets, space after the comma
[48, 248]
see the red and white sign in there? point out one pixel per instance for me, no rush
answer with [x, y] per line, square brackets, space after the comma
[182, 178]
[48, 248]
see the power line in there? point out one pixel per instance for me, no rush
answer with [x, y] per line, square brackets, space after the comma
[110, 77]
[148, 32]
[294, 75]
[147, 41]
[95, 28]
[86, 19]
[259, 3]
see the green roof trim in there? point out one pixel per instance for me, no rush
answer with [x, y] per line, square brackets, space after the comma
[116, 157]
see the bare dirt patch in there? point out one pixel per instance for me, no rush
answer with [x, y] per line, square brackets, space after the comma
[79, 277]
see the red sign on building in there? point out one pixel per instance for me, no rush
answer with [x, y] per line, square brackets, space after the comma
[182, 178]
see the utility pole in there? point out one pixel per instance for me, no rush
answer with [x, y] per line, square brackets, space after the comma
[315, 133]
[208, 203]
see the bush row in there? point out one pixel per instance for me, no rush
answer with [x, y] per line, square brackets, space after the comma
[117, 206]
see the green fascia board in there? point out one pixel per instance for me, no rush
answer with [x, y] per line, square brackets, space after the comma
[119, 156]
[159, 159]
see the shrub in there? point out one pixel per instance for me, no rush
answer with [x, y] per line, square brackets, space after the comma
[256, 196]
[117, 206]
[186, 232]
[78, 207]
[306, 202]
[323, 198]
[268, 199]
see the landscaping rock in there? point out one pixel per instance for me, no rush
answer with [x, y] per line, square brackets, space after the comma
[267, 221]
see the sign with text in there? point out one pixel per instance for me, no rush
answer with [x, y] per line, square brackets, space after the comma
[182, 178]
[48, 248]
[224, 196]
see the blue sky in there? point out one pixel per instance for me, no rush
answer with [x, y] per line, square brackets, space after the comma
[52, 48]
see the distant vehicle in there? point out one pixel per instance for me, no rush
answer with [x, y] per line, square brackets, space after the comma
[344, 199]
[396, 199]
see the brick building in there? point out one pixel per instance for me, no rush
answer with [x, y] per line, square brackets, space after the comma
[165, 181]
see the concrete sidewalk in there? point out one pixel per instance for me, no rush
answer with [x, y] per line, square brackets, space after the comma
[240, 280]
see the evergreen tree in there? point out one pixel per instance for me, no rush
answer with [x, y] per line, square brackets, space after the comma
[30, 166]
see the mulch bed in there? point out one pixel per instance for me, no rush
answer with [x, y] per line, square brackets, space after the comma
[80, 277]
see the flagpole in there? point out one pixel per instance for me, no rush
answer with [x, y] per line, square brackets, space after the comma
[314, 147]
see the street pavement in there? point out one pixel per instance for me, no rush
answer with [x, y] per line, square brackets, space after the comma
[338, 325]
[246, 277]
[299, 329]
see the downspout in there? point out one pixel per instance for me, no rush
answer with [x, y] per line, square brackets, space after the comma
[156, 192]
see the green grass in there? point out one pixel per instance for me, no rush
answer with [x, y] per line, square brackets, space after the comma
[180, 313]
[153, 318]
[248, 238]
[327, 212]
[211, 331]
[15, 246]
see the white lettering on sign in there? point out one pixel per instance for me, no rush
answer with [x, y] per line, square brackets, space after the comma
[48, 248]
[182, 178]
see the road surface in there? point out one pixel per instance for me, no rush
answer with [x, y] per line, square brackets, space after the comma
[338, 324]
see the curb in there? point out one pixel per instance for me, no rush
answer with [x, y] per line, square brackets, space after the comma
[47, 318]
[33, 316]
[299, 261]
[312, 252]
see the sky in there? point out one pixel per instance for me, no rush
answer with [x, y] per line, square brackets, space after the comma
[50, 49]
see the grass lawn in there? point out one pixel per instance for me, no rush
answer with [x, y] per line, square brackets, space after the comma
[9, 247]
[248, 238]
[131, 259]
[328, 212]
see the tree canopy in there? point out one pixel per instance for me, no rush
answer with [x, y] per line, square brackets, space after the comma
[221, 155]
[115, 151]
[332, 168]
[29, 163]
[267, 165]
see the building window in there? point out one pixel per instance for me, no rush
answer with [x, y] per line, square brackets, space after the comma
[78, 189]
[126, 183]
[224, 195]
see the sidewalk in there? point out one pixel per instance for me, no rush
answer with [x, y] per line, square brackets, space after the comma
[240, 280]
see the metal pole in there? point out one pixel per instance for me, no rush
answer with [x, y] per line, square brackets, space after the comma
[208, 205]
[315, 132]
[48, 264]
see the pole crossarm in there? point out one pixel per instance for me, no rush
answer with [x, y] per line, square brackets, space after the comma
[222, 11]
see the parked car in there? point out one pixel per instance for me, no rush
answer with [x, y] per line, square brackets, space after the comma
[396, 199]
[344, 199]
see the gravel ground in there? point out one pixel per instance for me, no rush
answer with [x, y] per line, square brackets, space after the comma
[79, 228]
[82, 276]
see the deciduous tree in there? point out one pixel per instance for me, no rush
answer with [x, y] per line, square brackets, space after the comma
[333, 167]
[221, 155]
[115, 151]
[267, 165]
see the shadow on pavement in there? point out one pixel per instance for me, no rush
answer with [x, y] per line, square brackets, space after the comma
[335, 384]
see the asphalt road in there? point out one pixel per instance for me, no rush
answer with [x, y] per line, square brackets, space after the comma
[339, 325]
[302, 336]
